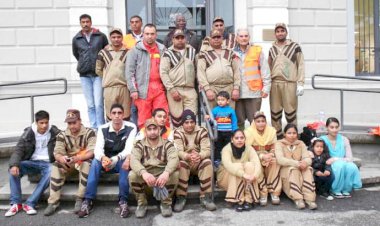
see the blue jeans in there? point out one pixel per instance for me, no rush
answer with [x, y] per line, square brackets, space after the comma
[30, 167]
[93, 180]
[93, 92]
[134, 114]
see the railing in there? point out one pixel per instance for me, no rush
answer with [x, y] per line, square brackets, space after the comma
[212, 129]
[341, 90]
[32, 96]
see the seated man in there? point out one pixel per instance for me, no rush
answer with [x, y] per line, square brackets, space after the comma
[113, 148]
[160, 116]
[34, 152]
[153, 162]
[193, 146]
[73, 151]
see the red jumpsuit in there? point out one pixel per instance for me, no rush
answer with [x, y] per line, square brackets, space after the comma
[156, 91]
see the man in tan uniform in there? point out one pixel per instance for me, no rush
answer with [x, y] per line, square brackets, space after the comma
[193, 146]
[288, 77]
[178, 76]
[74, 150]
[218, 69]
[229, 39]
[111, 66]
[154, 163]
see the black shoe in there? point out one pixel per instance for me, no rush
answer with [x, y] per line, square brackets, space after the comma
[239, 207]
[247, 206]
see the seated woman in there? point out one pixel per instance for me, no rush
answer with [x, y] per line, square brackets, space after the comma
[239, 172]
[346, 173]
[262, 138]
[296, 173]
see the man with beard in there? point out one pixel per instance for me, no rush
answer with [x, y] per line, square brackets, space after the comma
[288, 77]
[177, 72]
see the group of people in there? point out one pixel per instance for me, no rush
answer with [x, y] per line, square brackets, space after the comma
[142, 84]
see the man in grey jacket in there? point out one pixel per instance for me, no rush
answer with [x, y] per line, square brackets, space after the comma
[33, 155]
[86, 45]
[143, 75]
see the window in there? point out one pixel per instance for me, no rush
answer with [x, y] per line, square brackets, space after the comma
[366, 37]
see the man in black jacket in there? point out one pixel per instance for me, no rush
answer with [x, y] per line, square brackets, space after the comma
[33, 155]
[86, 46]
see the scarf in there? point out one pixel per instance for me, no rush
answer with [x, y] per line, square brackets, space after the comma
[237, 152]
[266, 138]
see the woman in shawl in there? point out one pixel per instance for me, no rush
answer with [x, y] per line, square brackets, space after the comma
[296, 173]
[262, 138]
[346, 173]
[239, 172]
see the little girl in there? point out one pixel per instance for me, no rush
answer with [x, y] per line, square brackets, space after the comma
[323, 177]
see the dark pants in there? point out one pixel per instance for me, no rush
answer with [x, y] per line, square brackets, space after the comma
[323, 184]
[224, 137]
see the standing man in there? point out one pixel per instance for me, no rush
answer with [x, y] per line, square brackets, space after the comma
[229, 41]
[180, 23]
[255, 77]
[33, 155]
[135, 35]
[218, 69]
[143, 75]
[114, 143]
[288, 78]
[110, 65]
[129, 41]
[178, 75]
[86, 46]
[74, 150]
[154, 163]
[193, 145]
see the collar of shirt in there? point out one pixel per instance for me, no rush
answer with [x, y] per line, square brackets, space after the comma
[137, 37]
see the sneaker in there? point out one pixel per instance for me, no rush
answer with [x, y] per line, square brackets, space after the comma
[124, 211]
[29, 210]
[141, 211]
[312, 205]
[50, 209]
[15, 208]
[327, 196]
[166, 210]
[338, 195]
[239, 207]
[207, 203]
[275, 199]
[346, 195]
[263, 201]
[77, 205]
[180, 203]
[85, 209]
[247, 206]
[300, 204]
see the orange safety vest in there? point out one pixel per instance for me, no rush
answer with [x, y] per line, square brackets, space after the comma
[252, 71]
[129, 41]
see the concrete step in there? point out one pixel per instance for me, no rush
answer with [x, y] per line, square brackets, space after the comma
[370, 174]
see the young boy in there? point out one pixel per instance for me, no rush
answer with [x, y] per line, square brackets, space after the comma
[226, 118]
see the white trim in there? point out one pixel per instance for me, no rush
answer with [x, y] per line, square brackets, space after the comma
[350, 38]
[240, 14]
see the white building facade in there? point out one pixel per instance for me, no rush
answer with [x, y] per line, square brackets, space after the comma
[36, 44]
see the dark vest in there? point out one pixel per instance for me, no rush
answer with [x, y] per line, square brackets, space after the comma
[115, 143]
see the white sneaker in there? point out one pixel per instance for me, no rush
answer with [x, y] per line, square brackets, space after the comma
[15, 208]
[330, 198]
[29, 210]
[263, 201]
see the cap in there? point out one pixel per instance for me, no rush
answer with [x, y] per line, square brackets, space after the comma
[214, 33]
[72, 115]
[217, 18]
[258, 114]
[116, 30]
[150, 122]
[188, 115]
[178, 32]
[283, 25]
